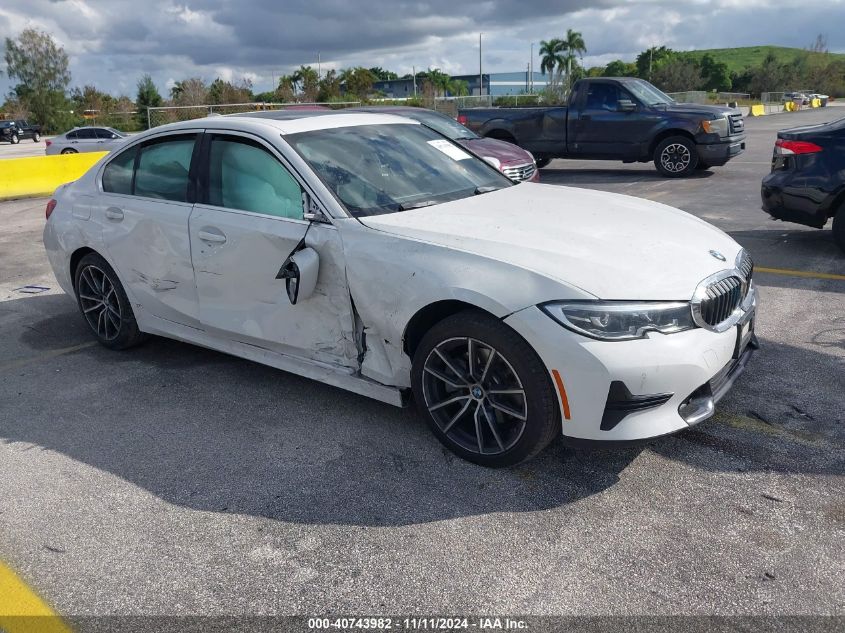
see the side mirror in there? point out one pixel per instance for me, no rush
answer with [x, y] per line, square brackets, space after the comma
[626, 105]
[300, 274]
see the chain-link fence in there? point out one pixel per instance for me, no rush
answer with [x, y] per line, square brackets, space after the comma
[733, 97]
[171, 114]
[690, 96]
[124, 121]
[772, 97]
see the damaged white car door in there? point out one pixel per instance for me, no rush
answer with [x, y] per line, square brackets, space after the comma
[145, 211]
[246, 224]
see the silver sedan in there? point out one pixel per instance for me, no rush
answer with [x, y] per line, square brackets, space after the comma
[85, 139]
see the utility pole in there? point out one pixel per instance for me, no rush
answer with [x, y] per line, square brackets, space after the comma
[480, 76]
[414, 71]
[319, 72]
[531, 71]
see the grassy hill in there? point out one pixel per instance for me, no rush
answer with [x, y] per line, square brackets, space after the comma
[739, 58]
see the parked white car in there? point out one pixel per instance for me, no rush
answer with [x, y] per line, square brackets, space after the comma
[85, 139]
[368, 252]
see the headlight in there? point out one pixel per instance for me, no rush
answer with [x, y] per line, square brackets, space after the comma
[620, 320]
[716, 126]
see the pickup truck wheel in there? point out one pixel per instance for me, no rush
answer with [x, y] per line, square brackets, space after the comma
[676, 157]
[36, 137]
[839, 228]
[484, 391]
[14, 140]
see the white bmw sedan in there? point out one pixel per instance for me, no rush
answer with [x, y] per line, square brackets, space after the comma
[368, 252]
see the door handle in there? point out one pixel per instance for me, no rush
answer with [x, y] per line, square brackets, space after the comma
[113, 213]
[214, 238]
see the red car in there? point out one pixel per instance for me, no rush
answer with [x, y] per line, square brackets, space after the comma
[513, 161]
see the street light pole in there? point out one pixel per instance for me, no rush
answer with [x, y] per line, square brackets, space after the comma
[531, 71]
[480, 76]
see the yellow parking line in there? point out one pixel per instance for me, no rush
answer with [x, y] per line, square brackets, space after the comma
[21, 611]
[798, 273]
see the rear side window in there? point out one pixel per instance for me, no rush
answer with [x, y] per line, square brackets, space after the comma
[117, 177]
[163, 167]
[71, 135]
[244, 175]
[85, 133]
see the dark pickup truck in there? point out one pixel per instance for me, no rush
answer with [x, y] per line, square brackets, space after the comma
[618, 118]
[13, 131]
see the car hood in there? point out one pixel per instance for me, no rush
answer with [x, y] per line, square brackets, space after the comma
[506, 153]
[698, 109]
[608, 245]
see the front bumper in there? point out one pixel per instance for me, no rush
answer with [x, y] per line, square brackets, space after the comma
[679, 368]
[716, 154]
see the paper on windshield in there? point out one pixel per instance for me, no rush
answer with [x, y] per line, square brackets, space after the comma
[452, 151]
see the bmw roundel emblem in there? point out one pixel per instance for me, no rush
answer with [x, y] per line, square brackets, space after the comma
[718, 255]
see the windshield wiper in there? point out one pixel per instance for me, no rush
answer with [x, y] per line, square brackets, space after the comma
[488, 189]
[407, 206]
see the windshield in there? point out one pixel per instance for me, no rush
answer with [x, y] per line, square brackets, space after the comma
[376, 169]
[647, 93]
[447, 126]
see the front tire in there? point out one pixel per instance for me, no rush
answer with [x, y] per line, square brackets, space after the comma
[14, 140]
[839, 228]
[104, 304]
[36, 137]
[676, 157]
[484, 391]
[68, 150]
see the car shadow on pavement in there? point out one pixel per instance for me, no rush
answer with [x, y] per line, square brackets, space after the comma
[214, 433]
[564, 175]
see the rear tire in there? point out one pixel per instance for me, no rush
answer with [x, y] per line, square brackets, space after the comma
[676, 157]
[839, 228]
[496, 410]
[14, 139]
[68, 150]
[36, 137]
[104, 304]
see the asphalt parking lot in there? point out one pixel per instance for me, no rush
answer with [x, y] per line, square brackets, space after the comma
[175, 480]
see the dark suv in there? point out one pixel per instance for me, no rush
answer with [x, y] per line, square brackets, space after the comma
[13, 131]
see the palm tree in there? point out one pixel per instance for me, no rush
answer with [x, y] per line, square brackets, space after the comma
[551, 57]
[573, 45]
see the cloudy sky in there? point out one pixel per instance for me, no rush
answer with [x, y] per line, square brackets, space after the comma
[112, 42]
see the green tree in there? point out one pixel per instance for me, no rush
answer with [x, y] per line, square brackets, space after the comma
[359, 81]
[148, 97]
[677, 75]
[329, 87]
[651, 59]
[41, 68]
[716, 75]
[458, 87]
[552, 60]
[226, 92]
[189, 92]
[618, 68]
[574, 49]
[309, 82]
[383, 75]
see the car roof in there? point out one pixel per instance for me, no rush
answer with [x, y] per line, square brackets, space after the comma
[289, 121]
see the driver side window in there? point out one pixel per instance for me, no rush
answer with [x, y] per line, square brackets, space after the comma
[243, 175]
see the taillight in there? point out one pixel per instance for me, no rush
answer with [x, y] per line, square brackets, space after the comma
[462, 119]
[48, 142]
[50, 206]
[789, 148]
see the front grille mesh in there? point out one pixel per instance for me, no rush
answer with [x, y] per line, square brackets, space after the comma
[722, 299]
[520, 172]
[737, 124]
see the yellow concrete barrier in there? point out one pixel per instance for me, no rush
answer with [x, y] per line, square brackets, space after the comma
[41, 175]
[816, 103]
[789, 106]
[757, 109]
